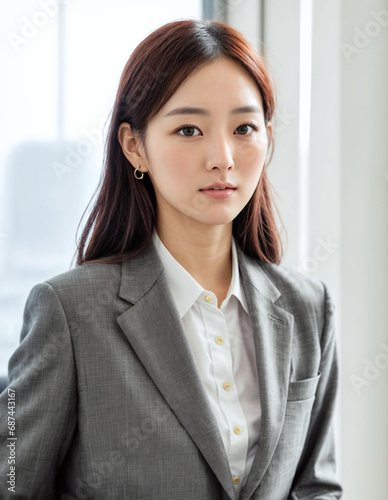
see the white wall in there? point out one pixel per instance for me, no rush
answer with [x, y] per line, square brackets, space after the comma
[364, 251]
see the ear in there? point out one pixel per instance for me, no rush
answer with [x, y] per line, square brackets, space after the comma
[132, 146]
[269, 129]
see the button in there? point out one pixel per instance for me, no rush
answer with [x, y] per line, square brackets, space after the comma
[227, 386]
[236, 480]
[237, 430]
[220, 340]
[209, 299]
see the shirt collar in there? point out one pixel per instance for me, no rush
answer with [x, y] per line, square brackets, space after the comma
[183, 286]
[235, 287]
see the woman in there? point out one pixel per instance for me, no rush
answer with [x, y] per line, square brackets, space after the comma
[178, 360]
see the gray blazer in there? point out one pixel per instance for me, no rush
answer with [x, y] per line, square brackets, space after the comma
[110, 405]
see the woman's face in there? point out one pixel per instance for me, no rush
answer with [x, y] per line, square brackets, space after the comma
[205, 149]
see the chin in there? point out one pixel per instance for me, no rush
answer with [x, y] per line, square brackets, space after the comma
[218, 220]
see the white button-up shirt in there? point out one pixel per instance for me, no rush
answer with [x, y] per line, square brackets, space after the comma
[223, 347]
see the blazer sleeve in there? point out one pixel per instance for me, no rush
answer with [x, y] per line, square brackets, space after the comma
[43, 378]
[315, 477]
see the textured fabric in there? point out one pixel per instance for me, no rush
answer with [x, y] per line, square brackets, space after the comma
[110, 404]
[224, 350]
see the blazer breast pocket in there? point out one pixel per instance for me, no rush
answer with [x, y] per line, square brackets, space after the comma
[301, 390]
[300, 401]
[301, 395]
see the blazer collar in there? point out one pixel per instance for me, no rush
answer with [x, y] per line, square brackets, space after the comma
[154, 328]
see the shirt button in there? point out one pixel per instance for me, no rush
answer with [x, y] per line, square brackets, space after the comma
[237, 430]
[208, 299]
[236, 480]
[227, 386]
[220, 340]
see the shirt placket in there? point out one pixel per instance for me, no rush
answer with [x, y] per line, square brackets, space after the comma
[230, 415]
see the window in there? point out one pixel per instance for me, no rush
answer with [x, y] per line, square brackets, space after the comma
[61, 63]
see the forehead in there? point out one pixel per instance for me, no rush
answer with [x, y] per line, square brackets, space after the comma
[220, 83]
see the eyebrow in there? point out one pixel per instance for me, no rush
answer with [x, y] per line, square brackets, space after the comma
[204, 112]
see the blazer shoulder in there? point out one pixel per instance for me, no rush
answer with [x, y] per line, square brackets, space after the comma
[307, 298]
[86, 279]
[298, 290]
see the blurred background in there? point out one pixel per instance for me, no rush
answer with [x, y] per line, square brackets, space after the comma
[60, 66]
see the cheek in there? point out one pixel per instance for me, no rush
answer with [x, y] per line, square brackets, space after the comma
[252, 157]
[175, 162]
[170, 167]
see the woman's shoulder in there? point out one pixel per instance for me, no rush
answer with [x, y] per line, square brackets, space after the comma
[291, 280]
[87, 280]
[86, 274]
[296, 291]
[306, 297]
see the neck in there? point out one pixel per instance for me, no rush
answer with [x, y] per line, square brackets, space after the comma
[205, 254]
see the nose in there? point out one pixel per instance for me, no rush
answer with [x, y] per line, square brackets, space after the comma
[220, 155]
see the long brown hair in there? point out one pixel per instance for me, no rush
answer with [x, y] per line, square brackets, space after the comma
[123, 216]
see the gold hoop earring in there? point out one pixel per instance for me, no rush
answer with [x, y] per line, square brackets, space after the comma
[135, 173]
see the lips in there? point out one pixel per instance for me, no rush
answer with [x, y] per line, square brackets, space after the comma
[219, 190]
[219, 186]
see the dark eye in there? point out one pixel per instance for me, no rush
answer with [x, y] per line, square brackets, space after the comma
[244, 129]
[188, 131]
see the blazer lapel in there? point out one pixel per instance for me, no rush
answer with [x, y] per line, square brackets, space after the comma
[155, 331]
[272, 328]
